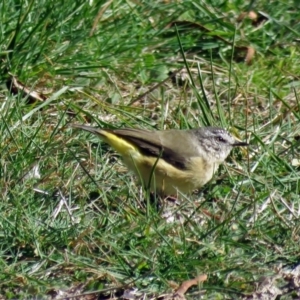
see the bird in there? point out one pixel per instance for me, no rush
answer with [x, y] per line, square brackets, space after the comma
[172, 161]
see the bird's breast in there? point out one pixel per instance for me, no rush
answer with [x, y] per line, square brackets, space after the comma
[165, 178]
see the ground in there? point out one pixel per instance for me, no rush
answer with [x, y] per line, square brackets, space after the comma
[74, 221]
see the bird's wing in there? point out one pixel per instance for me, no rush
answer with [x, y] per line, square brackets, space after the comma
[161, 144]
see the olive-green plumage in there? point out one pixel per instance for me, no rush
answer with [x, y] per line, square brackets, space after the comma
[170, 161]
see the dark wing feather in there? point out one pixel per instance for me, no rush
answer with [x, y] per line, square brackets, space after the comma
[150, 143]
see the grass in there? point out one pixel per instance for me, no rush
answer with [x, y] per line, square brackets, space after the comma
[72, 219]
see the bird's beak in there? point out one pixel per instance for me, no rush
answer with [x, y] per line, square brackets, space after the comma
[239, 143]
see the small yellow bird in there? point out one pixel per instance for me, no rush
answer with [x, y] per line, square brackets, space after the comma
[170, 161]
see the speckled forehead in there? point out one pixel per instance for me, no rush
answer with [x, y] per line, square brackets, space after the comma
[217, 130]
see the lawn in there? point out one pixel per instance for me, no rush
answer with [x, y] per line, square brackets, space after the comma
[75, 222]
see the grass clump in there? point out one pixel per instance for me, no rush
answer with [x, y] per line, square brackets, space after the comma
[72, 219]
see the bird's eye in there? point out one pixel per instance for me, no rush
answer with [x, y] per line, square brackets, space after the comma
[220, 139]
